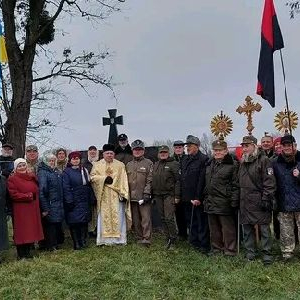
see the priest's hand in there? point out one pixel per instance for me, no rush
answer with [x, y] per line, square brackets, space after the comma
[108, 180]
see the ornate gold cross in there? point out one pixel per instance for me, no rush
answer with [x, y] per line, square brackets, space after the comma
[248, 109]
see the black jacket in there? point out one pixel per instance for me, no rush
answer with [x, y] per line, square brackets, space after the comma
[193, 177]
[221, 187]
[288, 191]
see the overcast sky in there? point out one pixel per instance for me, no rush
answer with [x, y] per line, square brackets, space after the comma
[178, 64]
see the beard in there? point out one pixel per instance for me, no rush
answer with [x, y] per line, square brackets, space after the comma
[248, 157]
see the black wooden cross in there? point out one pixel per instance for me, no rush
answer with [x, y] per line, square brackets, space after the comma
[113, 121]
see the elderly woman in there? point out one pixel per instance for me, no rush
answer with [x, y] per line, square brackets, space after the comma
[24, 193]
[51, 199]
[77, 199]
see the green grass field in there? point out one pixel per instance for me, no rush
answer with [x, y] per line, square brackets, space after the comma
[134, 272]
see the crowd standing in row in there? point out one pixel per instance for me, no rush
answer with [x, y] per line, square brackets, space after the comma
[200, 199]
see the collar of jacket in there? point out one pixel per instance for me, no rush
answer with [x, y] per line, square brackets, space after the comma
[167, 160]
[281, 159]
[138, 158]
[227, 160]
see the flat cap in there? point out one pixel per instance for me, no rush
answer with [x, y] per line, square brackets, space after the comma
[192, 140]
[219, 145]
[163, 148]
[6, 145]
[31, 148]
[122, 137]
[178, 143]
[287, 139]
[137, 144]
[249, 139]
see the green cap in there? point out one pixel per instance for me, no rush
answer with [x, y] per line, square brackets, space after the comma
[163, 148]
[219, 145]
[249, 139]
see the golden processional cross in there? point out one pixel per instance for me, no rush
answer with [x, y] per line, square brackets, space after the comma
[248, 109]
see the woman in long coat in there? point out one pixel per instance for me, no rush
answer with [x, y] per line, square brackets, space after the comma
[51, 198]
[27, 226]
[77, 199]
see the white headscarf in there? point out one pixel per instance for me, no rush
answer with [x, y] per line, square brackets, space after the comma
[18, 161]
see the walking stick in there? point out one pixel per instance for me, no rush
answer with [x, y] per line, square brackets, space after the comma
[238, 232]
[191, 223]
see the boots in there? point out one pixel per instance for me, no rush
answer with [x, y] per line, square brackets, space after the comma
[75, 234]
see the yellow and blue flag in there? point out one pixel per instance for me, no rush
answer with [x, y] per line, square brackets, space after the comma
[3, 53]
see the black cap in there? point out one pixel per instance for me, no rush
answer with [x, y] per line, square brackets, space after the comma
[178, 143]
[122, 137]
[287, 139]
[92, 148]
[8, 146]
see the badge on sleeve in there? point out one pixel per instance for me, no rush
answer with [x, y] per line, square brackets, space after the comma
[270, 171]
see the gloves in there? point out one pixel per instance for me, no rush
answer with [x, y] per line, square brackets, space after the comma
[147, 198]
[108, 180]
[266, 205]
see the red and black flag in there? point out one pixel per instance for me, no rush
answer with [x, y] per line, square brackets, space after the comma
[271, 40]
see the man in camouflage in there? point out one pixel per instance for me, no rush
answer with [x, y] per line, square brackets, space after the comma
[286, 169]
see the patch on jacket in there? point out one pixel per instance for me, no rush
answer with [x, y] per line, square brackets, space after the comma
[270, 171]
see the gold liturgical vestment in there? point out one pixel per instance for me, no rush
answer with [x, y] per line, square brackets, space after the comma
[108, 196]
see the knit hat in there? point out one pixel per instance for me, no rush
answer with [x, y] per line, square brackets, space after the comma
[19, 161]
[74, 154]
[277, 140]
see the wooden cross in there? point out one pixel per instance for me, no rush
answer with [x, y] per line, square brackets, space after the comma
[112, 121]
[248, 109]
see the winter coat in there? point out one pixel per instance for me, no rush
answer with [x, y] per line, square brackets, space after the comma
[77, 195]
[221, 186]
[123, 155]
[166, 178]
[27, 226]
[51, 193]
[6, 165]
[139, 173]
[257, 183]
[193, 177]
[3, 220]
[288, 186]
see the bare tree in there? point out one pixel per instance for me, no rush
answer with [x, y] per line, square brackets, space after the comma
[206, 143]
[294, 7]
[28, 28]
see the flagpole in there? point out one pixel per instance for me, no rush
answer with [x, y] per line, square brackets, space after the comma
[285, 92]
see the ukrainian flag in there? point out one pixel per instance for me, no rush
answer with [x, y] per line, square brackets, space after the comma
[3, 53]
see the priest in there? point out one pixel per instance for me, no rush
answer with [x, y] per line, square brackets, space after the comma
[110, 184]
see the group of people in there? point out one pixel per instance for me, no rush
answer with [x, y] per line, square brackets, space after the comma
[204, 200]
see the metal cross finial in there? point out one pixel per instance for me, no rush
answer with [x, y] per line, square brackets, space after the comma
[112, 121]
[248, 109]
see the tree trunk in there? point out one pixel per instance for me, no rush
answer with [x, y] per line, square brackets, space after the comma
[20, 68]
[17, 119]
